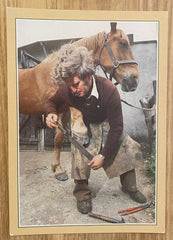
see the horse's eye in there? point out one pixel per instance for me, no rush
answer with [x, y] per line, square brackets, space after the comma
[123, 44]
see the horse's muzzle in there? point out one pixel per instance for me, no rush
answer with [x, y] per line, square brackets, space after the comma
[129, 84]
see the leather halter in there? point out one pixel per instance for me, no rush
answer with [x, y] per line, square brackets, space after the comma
[115, 63]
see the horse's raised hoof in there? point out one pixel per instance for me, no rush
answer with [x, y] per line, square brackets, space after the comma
[61, 177]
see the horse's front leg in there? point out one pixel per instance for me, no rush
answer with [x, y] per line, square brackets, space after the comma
[60, 173]
[78, 127]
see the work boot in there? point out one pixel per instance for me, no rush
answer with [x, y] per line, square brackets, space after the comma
[128, 181]
[85, 206]
[83, 196]
[136, 196]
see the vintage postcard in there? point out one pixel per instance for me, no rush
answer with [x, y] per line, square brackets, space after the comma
[51, 187]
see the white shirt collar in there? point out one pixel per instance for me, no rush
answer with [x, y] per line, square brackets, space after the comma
[94, 91]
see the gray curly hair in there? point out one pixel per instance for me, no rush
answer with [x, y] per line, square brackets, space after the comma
[72, 61]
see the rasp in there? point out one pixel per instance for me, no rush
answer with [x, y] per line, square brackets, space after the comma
[81, 148]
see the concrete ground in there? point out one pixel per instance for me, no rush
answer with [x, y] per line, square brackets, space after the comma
[46, 201]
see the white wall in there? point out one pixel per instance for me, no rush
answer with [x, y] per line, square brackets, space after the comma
[29, 31]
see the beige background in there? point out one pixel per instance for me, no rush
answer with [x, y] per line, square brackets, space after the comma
[84, 5]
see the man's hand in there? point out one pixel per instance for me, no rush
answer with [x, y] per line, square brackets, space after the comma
[51, 120]
[96, 162]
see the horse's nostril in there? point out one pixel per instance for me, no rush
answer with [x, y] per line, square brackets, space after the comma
[129, 84]
[134, 82]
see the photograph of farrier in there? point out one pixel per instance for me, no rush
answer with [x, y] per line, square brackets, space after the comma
[93, 101]
[99, 102]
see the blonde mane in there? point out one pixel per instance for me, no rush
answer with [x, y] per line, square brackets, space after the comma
[91, 43]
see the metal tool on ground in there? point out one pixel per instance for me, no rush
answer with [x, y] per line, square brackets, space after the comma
[81, 148]
[134, 209]
[104, 218]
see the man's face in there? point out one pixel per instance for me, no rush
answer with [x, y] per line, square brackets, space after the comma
[79, 87]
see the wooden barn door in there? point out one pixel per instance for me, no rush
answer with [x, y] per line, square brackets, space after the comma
[35, 135]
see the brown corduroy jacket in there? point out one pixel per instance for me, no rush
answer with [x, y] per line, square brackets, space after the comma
[95, 110]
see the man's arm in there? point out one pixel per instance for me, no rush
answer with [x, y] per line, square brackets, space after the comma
[51, 120]
[115, 119]
[52, 107]
[96, 162]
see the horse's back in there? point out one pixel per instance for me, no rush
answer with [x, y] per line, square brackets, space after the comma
[29, 98]
[35, 88]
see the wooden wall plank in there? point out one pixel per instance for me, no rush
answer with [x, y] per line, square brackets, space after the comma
[169, 188]
[141, 5]
[132, 5]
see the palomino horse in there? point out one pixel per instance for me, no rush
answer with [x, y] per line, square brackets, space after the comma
[111, 51]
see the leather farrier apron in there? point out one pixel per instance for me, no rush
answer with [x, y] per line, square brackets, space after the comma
[127, 154]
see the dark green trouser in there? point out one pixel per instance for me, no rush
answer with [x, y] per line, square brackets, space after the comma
[82, 191]
[128, 181]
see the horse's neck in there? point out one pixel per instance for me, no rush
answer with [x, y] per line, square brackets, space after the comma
[93, 43]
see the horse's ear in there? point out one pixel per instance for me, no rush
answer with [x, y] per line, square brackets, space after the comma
[113, 27]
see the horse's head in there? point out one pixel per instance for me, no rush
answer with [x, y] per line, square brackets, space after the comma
[117, 59]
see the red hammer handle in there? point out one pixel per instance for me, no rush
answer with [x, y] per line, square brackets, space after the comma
[133, 211]
[126, 210]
